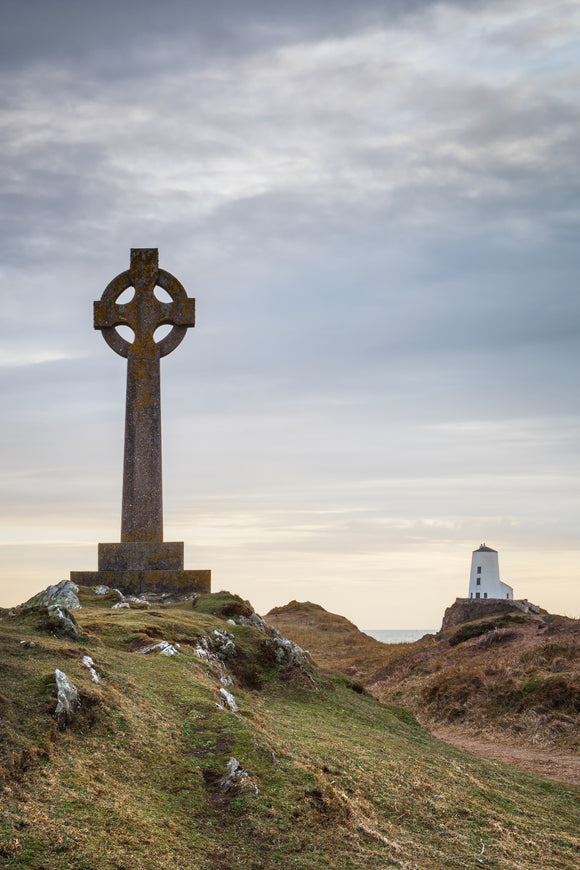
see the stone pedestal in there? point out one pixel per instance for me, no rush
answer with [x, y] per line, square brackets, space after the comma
[135, 567]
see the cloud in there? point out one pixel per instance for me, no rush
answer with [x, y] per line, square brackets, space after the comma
[376, 207]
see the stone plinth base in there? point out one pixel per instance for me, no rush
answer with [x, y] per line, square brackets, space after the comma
[141, 556]
[137, 582]
[136, 567]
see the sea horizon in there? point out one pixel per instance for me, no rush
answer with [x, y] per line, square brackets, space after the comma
[398, 635]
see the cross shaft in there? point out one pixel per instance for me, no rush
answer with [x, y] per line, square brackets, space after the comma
[142, 512]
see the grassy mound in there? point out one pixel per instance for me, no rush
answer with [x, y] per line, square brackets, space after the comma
[512, 675]
[326, 776]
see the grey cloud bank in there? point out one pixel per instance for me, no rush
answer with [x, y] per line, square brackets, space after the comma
[376, 206]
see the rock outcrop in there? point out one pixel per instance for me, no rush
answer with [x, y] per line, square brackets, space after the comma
[470, 609]
[63, 595]
[68, 700]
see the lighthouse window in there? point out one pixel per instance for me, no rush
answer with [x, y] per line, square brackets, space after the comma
[479, 569]
[485, 594]
[478, 581]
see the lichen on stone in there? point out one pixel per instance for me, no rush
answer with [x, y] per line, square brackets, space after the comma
[68, 700]
[63, 594]
[164, 648]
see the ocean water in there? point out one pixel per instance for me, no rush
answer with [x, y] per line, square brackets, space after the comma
[399, 635]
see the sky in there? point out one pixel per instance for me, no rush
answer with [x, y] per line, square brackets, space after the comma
[375, 204]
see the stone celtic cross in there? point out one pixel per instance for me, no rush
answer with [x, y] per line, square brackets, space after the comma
[143, 561]
[142, 515]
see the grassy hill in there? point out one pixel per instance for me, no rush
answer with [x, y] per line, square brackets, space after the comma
[511, 675]
[326, 776]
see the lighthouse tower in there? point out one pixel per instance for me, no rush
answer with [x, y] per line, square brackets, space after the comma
[484, 579]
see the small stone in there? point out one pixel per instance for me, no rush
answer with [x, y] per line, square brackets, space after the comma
[28, 644]
[231, 622]
[100, 590]
[60, 619]
[163, 647]
[236, 773]
[88, 663]
[229, 700]
[233, 772]
[138, 602]
[68, 700]
[121, 605]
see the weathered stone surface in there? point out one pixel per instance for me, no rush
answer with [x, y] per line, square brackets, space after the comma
[255, 621]
[138, 603]
[143, 561]
[61, 621]
[140, 582]
[228, 700]
[141, 556]
[235, 773]
[63, 594]
[89, 663]
[68, 700]
[164, 648]
[142, 518]
[285, 651]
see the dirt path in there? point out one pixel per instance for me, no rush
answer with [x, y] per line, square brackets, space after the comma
[553, 765]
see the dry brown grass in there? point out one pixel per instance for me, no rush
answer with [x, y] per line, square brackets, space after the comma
[513, 678]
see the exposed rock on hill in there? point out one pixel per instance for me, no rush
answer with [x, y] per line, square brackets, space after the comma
[469, 609]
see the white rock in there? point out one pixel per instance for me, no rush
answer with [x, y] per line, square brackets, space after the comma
[236, 773]
[212, 659]
[68, 699]
[225, 678]
[137, 600]
[229, 700]
[121, 604]
[222, 643]
[63, 594]
[100, 590]
[88, 663]
[231, 622]
[163, 647]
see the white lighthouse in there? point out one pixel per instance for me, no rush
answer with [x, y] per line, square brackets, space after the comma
[484, 579]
